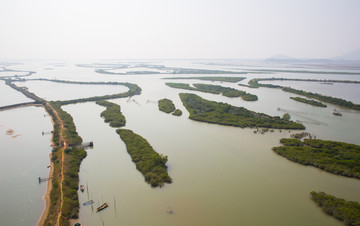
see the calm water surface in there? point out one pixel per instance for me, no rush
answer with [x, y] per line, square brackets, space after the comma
[24, 157]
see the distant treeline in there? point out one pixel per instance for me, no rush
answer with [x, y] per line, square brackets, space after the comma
[332, 100]
[213, 78]
[167, 70]
[215, 89]
[103, 71]
[224, 114]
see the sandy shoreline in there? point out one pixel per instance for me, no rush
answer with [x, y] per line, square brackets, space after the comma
[46, 197]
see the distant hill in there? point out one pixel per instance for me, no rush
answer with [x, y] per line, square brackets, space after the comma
[349, 58]
[353, 55]
[281, 58]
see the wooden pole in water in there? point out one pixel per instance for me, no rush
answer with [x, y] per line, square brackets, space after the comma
[115, 207]
[87, 190]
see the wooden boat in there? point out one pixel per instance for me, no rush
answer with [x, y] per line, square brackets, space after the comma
[88, 202]
[103, 206]
[337, 113]
[82, 188]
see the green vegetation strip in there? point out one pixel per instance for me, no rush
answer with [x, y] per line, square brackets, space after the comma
[166, 105]
[346, 211]
[112, 114]
[133, 90]
[307, 101]
[305, 71]
[51, 217]
[213, 79]
[215, 89]
[224, 114]
[327, 99]
[147, 160]
[69, 133]
[72, 160]
[335, 157]
[332, 100]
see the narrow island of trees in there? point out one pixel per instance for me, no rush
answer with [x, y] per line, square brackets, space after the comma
[167, 106]
[345, 211]
[215, 89]
[224, 114]
[328, 99]
[335, 157]
[213, 78]
[307, 101]
[112, 114]
[147, 160]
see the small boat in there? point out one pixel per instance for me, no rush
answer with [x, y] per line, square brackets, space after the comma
[82, 188]
[103, 206]
[337, 113]
[88, 202]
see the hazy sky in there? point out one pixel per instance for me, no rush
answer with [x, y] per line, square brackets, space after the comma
[109, 29]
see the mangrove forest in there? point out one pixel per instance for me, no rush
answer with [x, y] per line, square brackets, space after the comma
[112, 114]
[335, 157]
[147, 160]
[225, 114]
[215, 89]
[307, 101]
[345, 211]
